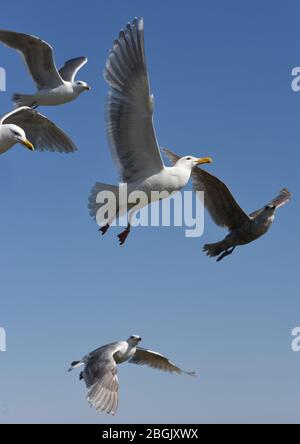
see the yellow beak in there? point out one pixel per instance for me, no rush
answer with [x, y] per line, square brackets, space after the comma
[28, 144]
[88, 88]
[202, 160]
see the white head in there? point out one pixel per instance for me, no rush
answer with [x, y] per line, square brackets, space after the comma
[12, 134]
[133, 340]
[190, 162]
[80, 86]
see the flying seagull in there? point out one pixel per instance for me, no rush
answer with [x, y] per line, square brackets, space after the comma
[100, 370]
[226, 212]
[54, 87]
[130, 131]
[30, 128]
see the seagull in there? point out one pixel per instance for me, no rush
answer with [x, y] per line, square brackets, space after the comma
[54, 87]
[130, 131]
[226, 212]
[100, 370]
[25, 122]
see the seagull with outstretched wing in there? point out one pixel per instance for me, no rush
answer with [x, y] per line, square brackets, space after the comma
[226, 212]
[54, 87]
[30, 128]
[100, 370]
[131, 134]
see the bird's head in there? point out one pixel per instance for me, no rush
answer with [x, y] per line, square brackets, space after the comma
[191, 162]
[133, 340]
[270, 208]
[80, 86]
[18, 135]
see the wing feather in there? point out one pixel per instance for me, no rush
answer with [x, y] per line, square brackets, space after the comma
[69, 70]
[38, 56]
[43, 133]
[129, 107]
[219, 201]
[222, 206]
[100, 377]
[283, 197]
[153, 359]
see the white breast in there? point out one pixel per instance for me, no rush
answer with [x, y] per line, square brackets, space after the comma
[170, 179]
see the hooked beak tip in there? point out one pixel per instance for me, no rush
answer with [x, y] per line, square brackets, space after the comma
[203, 160]
[28, 144]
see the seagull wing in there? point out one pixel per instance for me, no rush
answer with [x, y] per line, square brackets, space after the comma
[153, 359]
[283, 197]
[170, 155]
[100, 377]
[129, 107]
[38, 57]
[71, 67]
[221, 205]
[41, 132]
[5, 117]
[219, 201]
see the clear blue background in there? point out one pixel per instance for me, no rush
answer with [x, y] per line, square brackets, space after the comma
[221, 76]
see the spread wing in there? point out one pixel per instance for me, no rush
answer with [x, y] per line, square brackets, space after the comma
[71, 67]
[156, 360]
[283, 197]
[41, 132]
[129, 107]
[219, 201]
[223, 208]
[38, 56]
[100, 377]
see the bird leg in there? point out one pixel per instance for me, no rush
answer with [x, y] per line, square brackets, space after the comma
[122, 236]
[226, 253]
[104, 229]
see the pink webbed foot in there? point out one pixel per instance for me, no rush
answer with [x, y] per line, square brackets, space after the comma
[104, 229]
[123, 236]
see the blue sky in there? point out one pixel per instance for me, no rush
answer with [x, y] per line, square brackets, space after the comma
[221, 76]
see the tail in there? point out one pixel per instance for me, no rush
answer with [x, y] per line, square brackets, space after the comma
[23, 100]
[95, 206]
[216, 248]
[75, 364]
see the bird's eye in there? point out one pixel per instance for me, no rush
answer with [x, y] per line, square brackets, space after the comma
[15, 133]
[188, 158]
